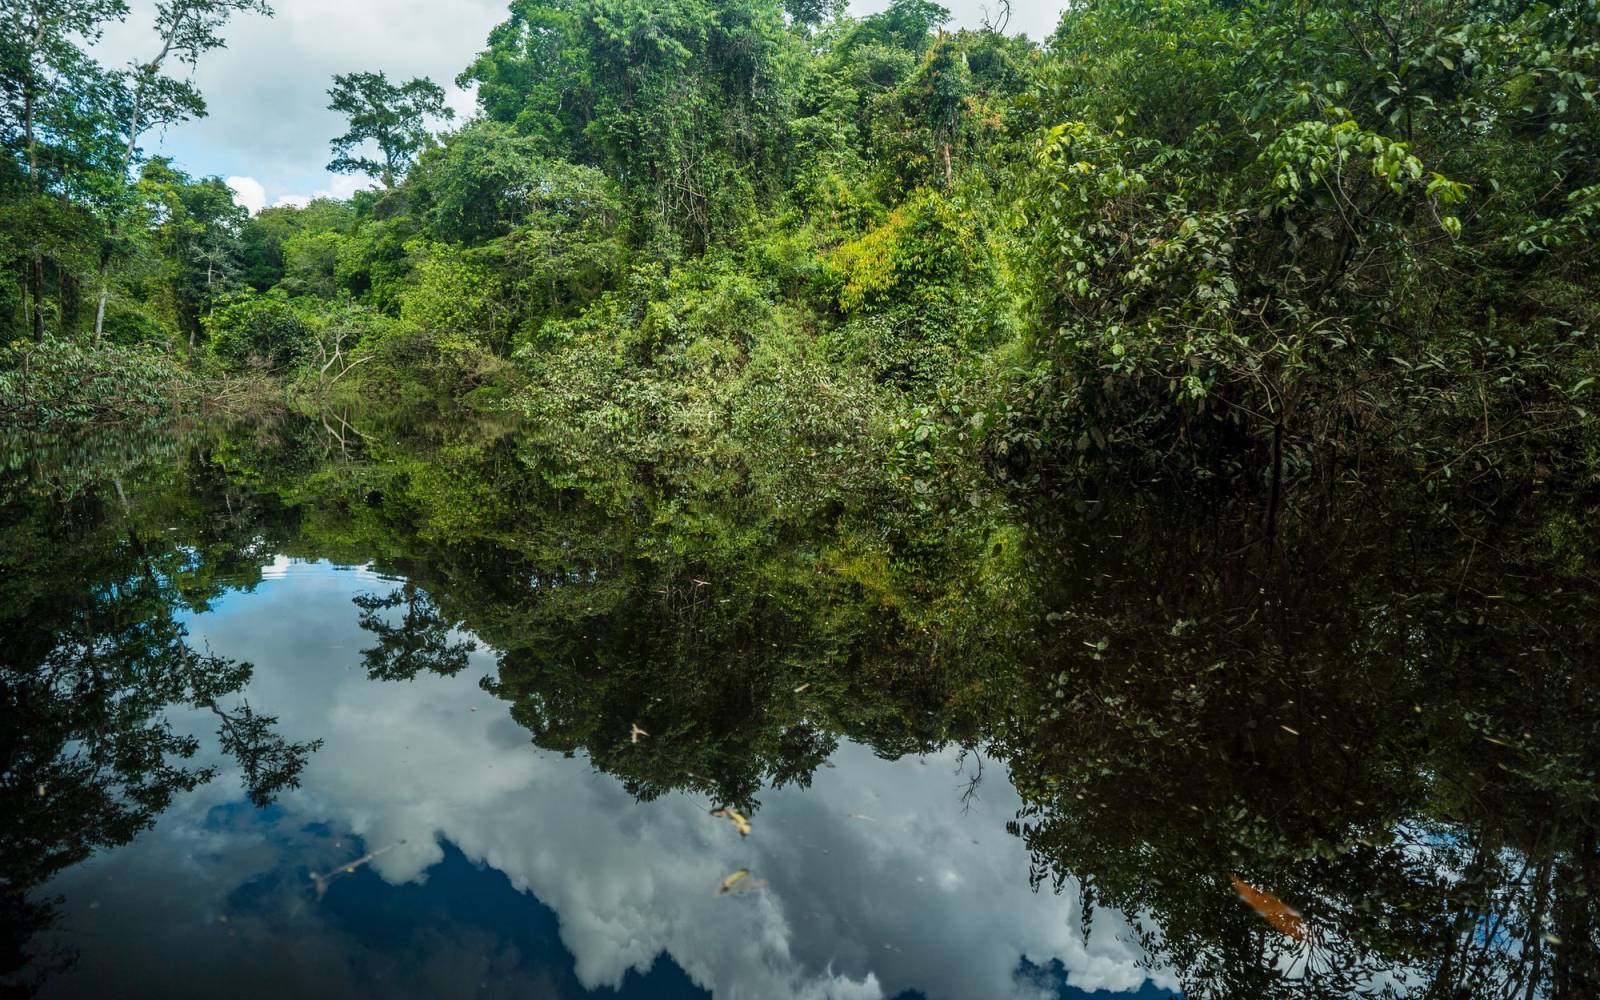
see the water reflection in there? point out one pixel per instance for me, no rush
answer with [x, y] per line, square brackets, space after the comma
[544, 679]
[878, 880]
[93, 661]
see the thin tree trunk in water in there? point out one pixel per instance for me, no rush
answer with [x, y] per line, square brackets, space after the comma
[1536, 934]
[1277, 478]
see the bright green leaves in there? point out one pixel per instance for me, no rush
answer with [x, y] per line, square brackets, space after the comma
[1226, 210]
[1318, 154]
[926, 241]
[1082, 181]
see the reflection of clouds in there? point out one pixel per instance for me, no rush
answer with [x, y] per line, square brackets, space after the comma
[878, 880]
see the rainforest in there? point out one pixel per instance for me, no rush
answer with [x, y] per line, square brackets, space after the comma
[788, 500]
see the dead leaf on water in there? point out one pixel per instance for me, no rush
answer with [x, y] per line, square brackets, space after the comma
[1273, 910]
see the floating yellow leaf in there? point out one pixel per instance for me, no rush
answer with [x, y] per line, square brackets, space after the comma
[735, 817]
[740, 881]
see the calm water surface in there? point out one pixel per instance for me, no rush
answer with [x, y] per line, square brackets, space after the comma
[427, 720]
[509, 870]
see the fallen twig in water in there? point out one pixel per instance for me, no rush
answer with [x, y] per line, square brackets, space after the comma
[321, 881]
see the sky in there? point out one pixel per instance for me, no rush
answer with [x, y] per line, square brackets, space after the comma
[880, 880]
[268, 128]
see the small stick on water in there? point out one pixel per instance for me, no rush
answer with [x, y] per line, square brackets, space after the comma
[321, 881]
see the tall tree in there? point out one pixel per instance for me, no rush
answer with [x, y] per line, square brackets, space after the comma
[813, 12]
[39, 55]
[194, 229]
[395, 118]
[186, 30]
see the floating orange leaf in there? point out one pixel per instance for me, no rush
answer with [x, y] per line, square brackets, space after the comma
[1273, 910]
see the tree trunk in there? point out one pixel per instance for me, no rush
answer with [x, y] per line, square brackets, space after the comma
[127, 161]
[27, 299]
[100, 310]
[71, 302]
[36, 289]
[1276, 495]
[36, 266]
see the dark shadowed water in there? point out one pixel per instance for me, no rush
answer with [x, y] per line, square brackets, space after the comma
[284, 716]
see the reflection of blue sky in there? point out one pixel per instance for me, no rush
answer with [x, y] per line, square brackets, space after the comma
[536, 875]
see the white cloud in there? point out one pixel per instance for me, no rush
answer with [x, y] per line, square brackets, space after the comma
[1035, 18]
[343, 187]
[248, 192]
[267, 91]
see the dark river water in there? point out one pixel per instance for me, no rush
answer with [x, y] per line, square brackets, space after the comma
[291, 713]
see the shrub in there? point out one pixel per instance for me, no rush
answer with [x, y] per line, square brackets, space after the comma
[62, 382]
[249, 330]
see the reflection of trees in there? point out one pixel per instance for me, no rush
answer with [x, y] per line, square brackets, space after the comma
[1361, 717]
[1392, 730]
[92, 660]
[418, 641]
[626, 642]
[1397, 741]
[599, 626]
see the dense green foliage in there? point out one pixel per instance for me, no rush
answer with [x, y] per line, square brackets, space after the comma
[873, 326]
[1232, 244]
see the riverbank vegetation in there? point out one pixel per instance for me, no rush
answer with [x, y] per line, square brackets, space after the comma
[1260, 251]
